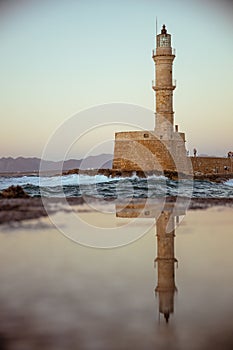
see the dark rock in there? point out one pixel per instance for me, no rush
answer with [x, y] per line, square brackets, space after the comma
[14, 192]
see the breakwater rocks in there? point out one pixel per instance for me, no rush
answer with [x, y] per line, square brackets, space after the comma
[14, 192]
[172, 175]
[124, 173]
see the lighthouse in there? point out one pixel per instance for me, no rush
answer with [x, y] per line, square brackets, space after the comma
[163, 85]
[163, 148]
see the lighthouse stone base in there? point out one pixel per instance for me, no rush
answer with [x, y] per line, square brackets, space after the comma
[147, 151]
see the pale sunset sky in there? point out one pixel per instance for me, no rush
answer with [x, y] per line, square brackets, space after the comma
[59, 57]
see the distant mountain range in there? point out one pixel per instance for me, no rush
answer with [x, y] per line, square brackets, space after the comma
[21, 164]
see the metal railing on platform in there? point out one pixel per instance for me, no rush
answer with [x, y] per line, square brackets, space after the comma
[154, 52]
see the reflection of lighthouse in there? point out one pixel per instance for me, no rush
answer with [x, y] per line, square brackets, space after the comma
[166, 221]
[165, 227]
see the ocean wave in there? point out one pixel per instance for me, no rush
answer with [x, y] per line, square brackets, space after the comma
[101, 186]
[229, 183]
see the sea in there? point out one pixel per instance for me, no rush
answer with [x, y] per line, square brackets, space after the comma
[100, 186]
[116, 275]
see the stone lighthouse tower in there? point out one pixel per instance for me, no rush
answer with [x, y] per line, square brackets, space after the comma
[163, 85]
[161, 149]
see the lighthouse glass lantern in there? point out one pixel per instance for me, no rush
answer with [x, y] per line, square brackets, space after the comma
[164, 39]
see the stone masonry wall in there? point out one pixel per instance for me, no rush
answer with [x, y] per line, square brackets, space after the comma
[212, 165]
[142, 150]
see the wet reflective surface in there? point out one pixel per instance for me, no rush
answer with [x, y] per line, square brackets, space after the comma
[56, 294]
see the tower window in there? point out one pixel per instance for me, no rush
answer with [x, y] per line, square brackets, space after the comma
[146, 136]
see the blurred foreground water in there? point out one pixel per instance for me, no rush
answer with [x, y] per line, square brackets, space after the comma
[56, 294]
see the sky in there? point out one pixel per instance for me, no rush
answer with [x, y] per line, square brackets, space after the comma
[60, 57]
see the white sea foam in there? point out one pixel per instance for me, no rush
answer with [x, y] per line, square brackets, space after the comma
[229, 182]
[6, 182]
[68, 180]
